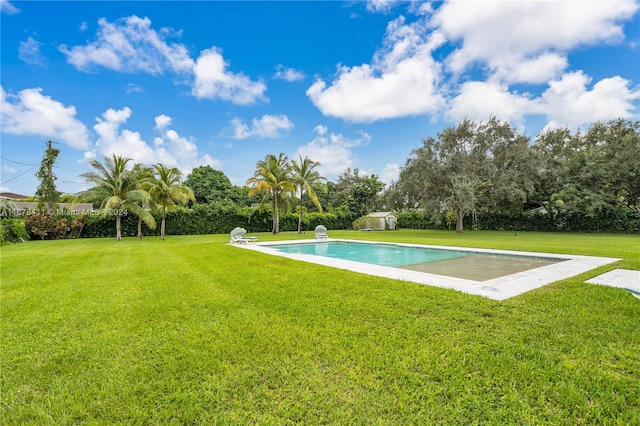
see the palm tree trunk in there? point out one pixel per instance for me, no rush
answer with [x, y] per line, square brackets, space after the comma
[164, 216]
[276, 219]
[118, 233]
[139, 227]
[300, 214]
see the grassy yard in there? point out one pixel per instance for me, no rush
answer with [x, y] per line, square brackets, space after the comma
[193, 331]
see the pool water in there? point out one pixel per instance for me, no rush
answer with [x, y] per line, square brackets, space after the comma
[376, 254]
[497, 274]
[460, 264]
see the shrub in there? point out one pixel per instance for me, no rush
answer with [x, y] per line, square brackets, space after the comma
[14, 230]
[42, 225]
[48, 226]
[365, 222]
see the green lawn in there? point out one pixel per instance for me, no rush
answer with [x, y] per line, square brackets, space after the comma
[193, 331]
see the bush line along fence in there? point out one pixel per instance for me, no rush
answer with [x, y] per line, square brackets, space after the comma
[204, 219]
[609, 219]
[221, 219]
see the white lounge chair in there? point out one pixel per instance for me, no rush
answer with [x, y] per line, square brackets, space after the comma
[238, 237]
[321, 232]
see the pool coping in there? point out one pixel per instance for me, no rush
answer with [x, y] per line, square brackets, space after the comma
[498, 288]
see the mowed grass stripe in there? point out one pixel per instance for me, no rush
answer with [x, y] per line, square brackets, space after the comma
[193, 331]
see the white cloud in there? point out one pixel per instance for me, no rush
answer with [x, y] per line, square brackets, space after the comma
[568, 101]
[214, 81]
[178, 151]
[533, 49]
[84, 27]
[321, 130]
[162, 122]
[32, 113]
[332, 151]
[390, 173]
[134, 88]
[125, 143]
[8, 169]
[269, 126]
[169, 148]
[380, 5]
[401, 80]
[8, 8]
[479, 100]
[130, 45]
[534, 71]
[499, 33]
[288, 74]
[29, 52]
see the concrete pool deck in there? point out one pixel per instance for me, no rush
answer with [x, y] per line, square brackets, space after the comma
[499, 288]
[620, 278]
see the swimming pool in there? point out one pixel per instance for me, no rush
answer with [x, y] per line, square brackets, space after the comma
[506, 273]
[376, 254]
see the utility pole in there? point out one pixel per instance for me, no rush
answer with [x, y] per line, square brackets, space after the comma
[47, 194]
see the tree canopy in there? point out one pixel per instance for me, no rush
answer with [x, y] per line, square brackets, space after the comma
[307, 180]
[210, 186]
[117, 189]
[490, 166]
[273, 179]
[166, 190]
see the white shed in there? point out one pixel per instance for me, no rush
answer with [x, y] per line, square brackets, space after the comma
[386, 220]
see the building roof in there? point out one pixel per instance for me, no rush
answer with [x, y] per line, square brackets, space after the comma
[12, 196]
[381, 214]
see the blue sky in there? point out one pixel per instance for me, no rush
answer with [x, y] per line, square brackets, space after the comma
[350, 84]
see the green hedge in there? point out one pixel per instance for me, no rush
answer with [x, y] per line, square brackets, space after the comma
[214, 219]
[610, 219]
[222, 218]
[418, 220]
[13, 231]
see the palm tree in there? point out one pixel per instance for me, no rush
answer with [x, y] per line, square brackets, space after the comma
[115, 186]
[273, 178]
[166, 189]
[140, 174]
[306, 178]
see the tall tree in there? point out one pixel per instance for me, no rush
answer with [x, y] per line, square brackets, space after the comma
[615, 150]
[139, 174]
[366, 193]
[474, 164]
[210, 186]
[307, 179]
[272, 178]
[554, 150]
[46, 192]
[357, 193]
[589, 171]
[511, 167]
[166, 189]
[116, 188]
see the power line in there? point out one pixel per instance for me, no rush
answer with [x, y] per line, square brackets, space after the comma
[17, 176]
[16, 162]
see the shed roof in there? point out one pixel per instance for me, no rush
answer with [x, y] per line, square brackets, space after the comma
[381, 214]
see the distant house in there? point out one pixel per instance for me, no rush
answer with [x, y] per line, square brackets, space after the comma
[12, 196]
[386, 220]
